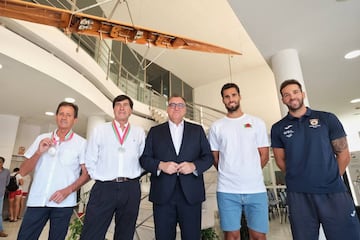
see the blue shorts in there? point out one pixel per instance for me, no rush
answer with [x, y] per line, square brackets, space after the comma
[335, 211]
[255, 207]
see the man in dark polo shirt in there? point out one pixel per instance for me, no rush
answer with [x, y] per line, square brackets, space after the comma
[311, 148]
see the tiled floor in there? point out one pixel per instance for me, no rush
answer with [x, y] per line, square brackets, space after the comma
[278, 230]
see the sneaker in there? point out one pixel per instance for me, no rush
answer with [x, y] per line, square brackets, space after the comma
[2, 234]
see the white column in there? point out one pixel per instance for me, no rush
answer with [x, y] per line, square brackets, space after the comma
[286, 65]
[93, 121]
[8, 129]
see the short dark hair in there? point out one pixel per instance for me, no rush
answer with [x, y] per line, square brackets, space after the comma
[16, 169]
[177, 95]
[229, 85]
[289, 82]
[74, 106]
[2, 159]
[121, 98]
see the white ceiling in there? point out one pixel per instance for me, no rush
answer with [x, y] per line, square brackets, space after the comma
[322, 31]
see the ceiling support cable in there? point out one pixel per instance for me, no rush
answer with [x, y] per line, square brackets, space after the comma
[118, 2]
[131, 19]
[143, 57]
[92, 6]
[230, 70]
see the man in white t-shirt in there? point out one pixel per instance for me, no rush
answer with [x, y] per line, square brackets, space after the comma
[240, 145]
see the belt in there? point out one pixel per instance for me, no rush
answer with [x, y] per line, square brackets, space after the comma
[124, 179]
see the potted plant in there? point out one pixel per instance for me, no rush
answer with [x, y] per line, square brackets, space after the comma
[209, 234]
[76, 225]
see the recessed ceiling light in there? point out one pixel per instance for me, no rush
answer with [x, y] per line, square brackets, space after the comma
[352, 54]
[0, 66]
[356, 100]
[69, 99]
[49, 113]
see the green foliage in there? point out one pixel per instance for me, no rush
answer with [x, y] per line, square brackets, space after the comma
[76, 225]
[75, 228]
[209, 234]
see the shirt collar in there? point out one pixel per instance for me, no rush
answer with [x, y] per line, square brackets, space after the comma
[118, 124]
[173, 125]
[307, 114]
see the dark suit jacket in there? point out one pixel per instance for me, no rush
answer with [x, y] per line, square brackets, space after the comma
[194, 148]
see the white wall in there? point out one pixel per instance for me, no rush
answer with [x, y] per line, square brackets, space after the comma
[8, 128]
[352, 128]
[26, 134]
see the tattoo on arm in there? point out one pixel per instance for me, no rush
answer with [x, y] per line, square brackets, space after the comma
[339, 145]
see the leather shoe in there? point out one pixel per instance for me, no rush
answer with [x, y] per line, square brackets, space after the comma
[2, 234]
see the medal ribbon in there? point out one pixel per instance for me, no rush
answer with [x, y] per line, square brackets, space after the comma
[68, 137]
[117, 133]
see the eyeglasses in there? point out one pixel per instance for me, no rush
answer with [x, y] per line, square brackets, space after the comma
[174, 105]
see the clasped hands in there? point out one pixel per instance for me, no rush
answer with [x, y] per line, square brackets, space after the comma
[178, 168]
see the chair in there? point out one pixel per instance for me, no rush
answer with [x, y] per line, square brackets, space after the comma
[284, 208]
[273, 204]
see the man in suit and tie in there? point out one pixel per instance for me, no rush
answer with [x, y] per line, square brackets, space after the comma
[177, 153]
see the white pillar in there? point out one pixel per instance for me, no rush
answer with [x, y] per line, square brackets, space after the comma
[8, 129]
[93, 121]
[286, 65]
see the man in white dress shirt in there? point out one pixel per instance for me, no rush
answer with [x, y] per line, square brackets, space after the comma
[57, 159]
[112, 160]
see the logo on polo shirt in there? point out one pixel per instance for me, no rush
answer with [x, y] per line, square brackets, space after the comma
[288, 132]
[353, 213]
[314, 123]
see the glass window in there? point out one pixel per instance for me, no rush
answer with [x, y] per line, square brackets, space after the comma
[166, 84]
[176, 85]
[130, 62]
[188, 92]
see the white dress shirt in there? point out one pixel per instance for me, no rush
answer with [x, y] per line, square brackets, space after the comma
[176, 134]
[56, 171]
[106, 159]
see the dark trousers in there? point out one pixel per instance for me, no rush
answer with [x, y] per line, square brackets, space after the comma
[107, 199]
[36, 217]
[177, 210]
[335, 211]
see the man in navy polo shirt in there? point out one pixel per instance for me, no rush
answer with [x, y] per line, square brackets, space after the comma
[311, 148]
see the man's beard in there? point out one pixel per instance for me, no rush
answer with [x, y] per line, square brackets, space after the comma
[232, 108]
[294, 109]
